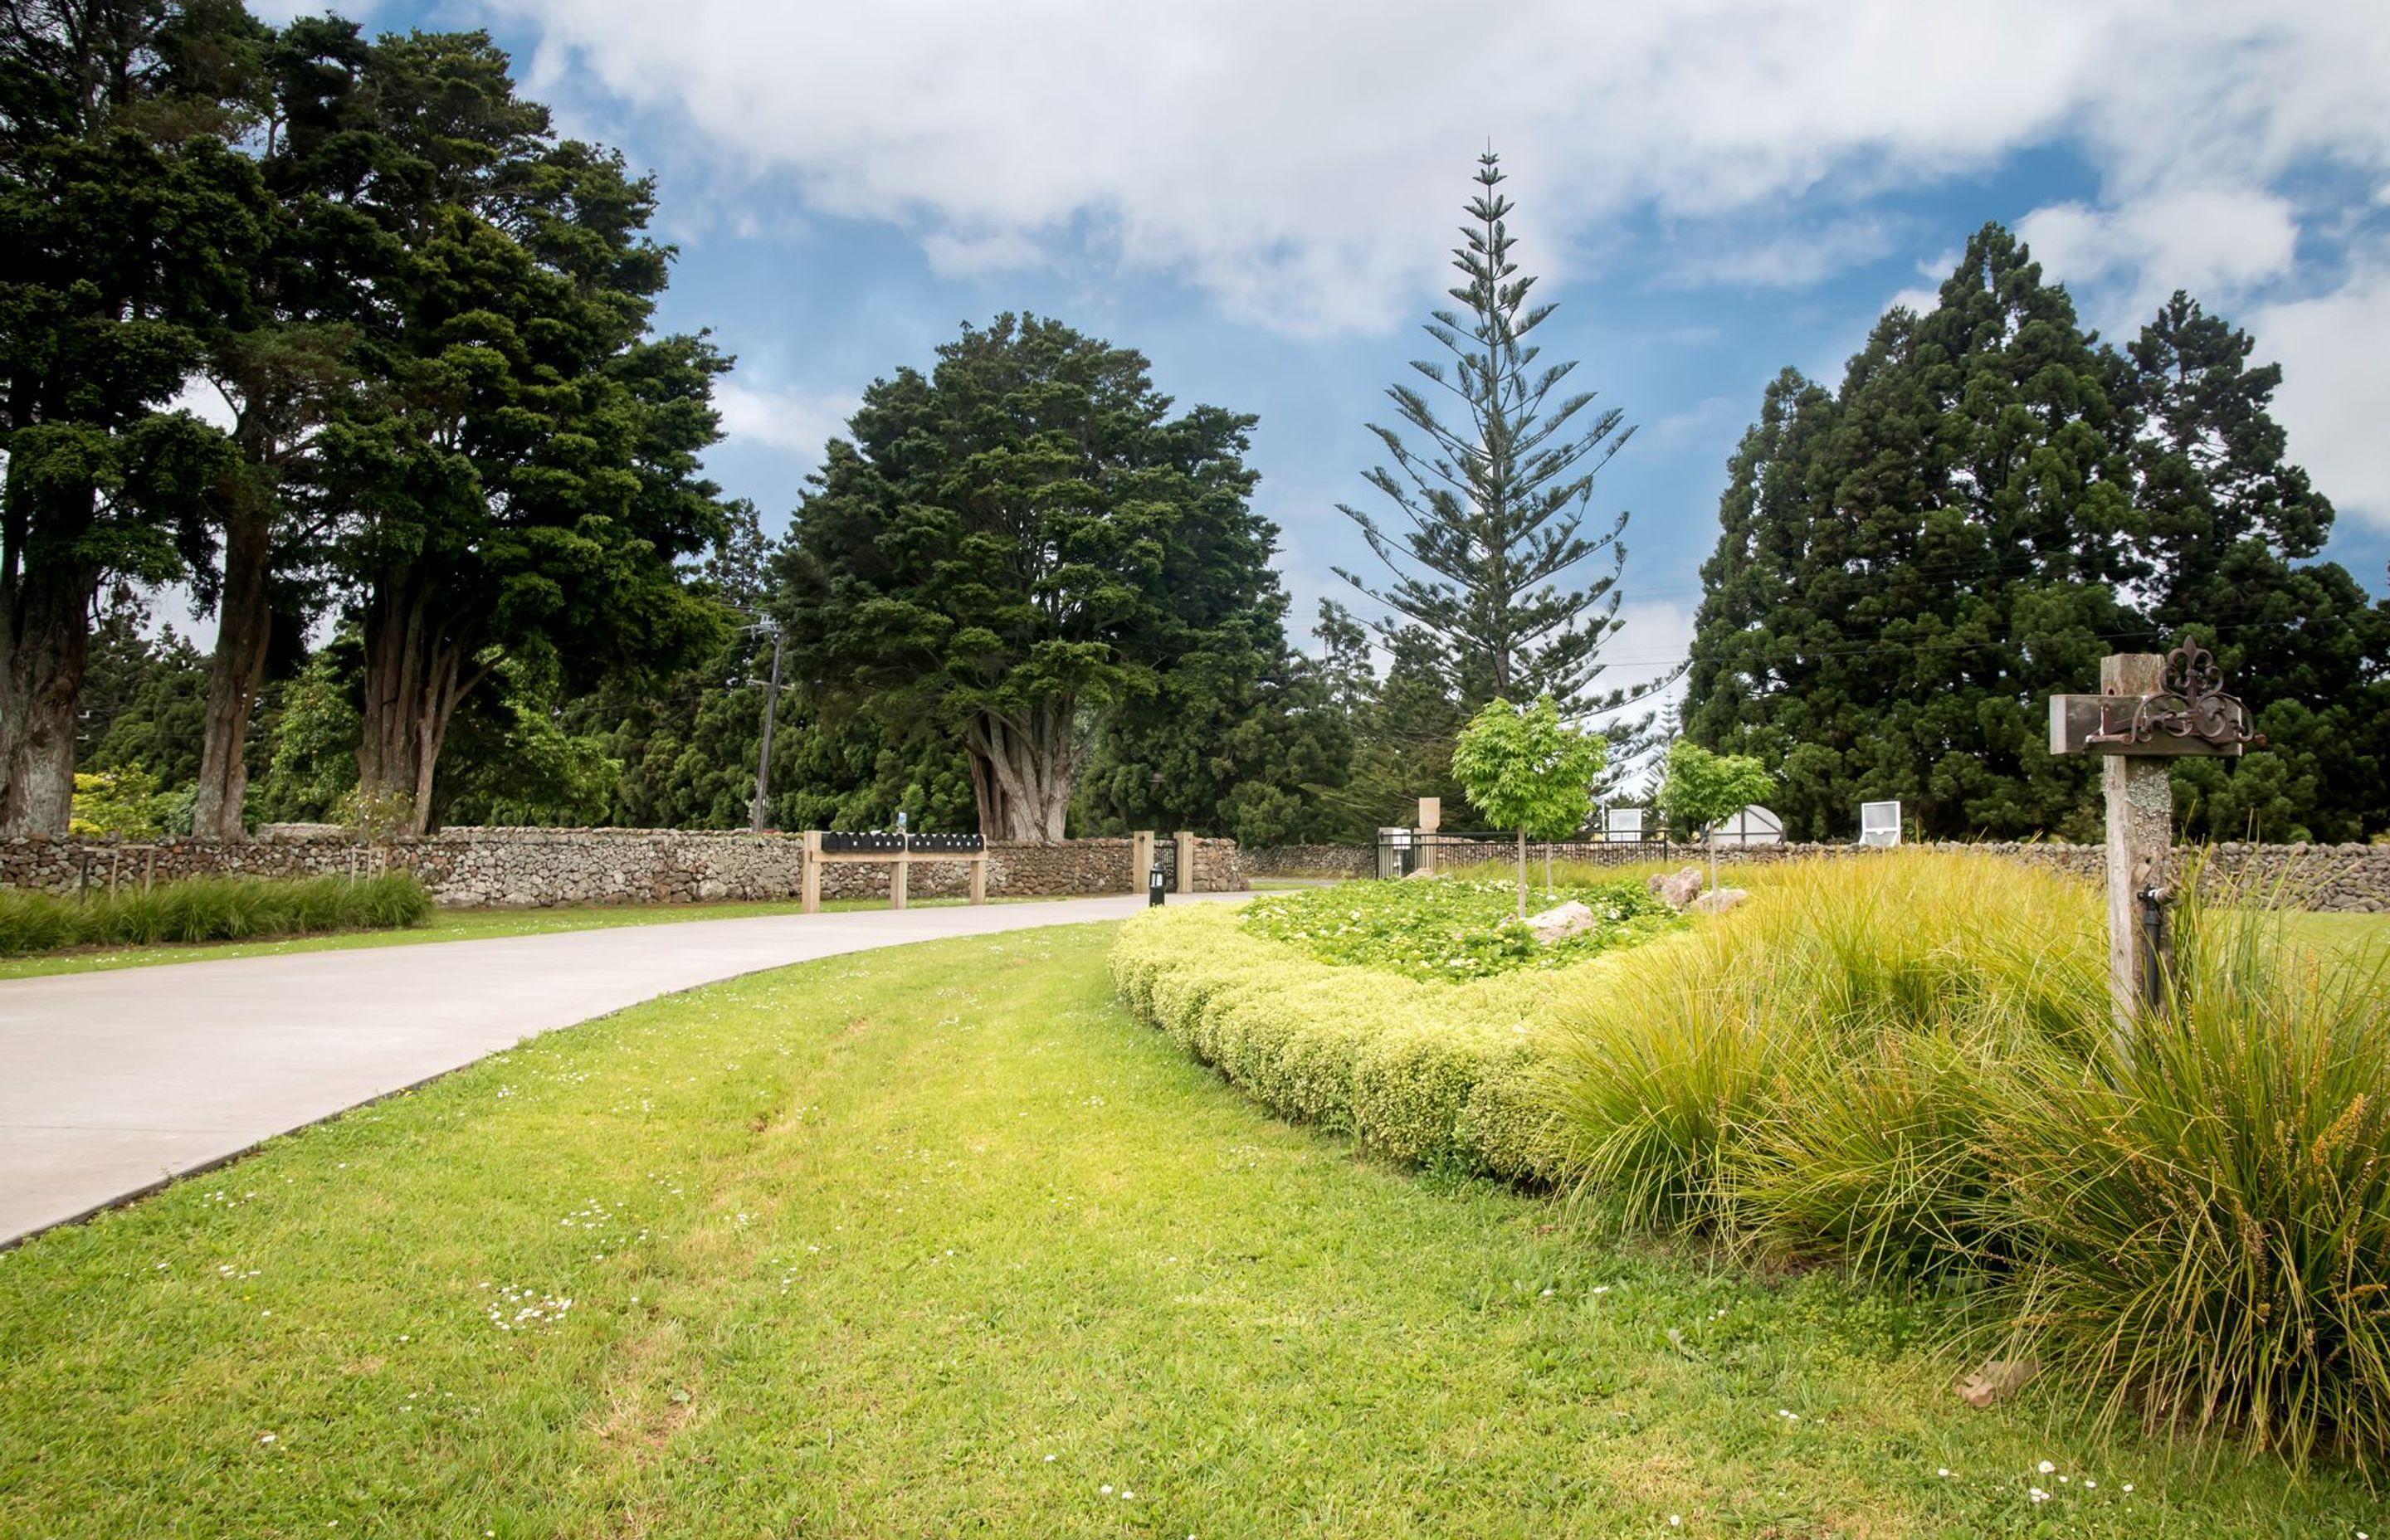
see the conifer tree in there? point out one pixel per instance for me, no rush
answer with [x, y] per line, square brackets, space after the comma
[1490, 559]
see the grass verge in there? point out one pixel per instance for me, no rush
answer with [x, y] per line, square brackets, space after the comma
[936, 1240]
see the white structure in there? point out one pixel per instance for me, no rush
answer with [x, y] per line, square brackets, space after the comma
[1879, 824]
[1754, 825]
[1622, 824]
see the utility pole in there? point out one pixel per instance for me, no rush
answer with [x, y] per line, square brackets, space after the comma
[771, 709]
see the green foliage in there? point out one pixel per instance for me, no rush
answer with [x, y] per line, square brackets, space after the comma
[1494, 511]
[1909, 565]
[1907, 1064]
[205, 909]
[123, 801]
[1698, 787]
[1526, 769]
[1020, 544]
[1421, 1073]
[1450, 929]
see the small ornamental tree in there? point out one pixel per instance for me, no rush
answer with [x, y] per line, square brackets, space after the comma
[1698, 787]
[1526, 769]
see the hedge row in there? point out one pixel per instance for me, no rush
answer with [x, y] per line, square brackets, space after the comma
[1428, 1073]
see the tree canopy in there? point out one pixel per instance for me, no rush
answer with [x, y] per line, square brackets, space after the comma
[1526, 769]
[1019, 545]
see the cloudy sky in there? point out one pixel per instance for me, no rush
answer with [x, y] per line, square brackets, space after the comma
[1261, 196]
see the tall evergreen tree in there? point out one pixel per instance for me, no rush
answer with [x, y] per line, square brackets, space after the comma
[1906, 572]
[125, 222]
[1490, 562]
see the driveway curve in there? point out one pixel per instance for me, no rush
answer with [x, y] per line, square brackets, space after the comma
[112, 1083]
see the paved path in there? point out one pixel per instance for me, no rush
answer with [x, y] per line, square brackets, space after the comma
[112, 1083]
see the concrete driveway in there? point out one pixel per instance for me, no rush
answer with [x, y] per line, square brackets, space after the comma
[111, 1084]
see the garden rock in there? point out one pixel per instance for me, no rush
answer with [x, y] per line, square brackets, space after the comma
[1717, 900]
[1997, 1381]
[1570, 919]
[1679, 889]
[1423, 874]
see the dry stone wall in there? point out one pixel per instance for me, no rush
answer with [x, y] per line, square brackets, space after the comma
[2342, 879]
[541, 868]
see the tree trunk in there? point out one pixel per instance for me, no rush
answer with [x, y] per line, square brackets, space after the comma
[1022, 773]
[1522, 873]
[415, 676]
[245, 620]
[45, 631]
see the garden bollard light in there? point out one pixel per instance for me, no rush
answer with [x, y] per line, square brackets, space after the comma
[1154, 887]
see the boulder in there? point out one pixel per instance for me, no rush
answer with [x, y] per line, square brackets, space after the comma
[1717, 900]
[1421, 872]
[1570, 919]
[1998, 1381]
[1679, 888]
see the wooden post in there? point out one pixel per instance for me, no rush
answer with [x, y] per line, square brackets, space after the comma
[1185, 862]
[2149, 710]
[899, 879]
[1140, 859]
[809, 873]
[979, 878]
[1431, 818]
[2140, 845]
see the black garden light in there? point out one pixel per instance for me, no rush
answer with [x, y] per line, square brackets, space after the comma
[1154, 886]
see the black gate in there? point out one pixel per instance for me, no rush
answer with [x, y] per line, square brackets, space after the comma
[1165, 855]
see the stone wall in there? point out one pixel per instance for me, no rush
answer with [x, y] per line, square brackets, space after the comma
[539, 868]
[2345, 878]
[1309, 861]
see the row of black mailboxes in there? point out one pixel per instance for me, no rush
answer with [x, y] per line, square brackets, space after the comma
[873, 843]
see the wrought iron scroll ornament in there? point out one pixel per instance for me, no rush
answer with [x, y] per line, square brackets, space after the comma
[2189, 703]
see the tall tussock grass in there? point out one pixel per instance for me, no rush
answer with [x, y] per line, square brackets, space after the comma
[1909, 1065]
[227, 908]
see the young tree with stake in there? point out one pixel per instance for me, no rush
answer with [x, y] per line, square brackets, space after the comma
[1698, 787]
[1526, 769]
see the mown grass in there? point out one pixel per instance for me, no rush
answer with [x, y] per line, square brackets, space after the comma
[444, 925]
[936, 1241]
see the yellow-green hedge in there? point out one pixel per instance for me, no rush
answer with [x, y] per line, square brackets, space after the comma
[1417, 1072]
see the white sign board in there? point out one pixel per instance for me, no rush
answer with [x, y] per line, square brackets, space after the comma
[1622, 824]
[1879, 824]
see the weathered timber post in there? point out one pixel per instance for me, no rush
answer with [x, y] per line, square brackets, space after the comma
[1186, 863]
[2149, 710]
[1140, 859]
[809, 873]
[1431, 818]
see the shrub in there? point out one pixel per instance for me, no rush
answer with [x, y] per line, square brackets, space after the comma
[1434, 1072]
[230, 908]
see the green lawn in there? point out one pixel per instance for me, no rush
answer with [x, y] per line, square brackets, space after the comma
[446, 925]
[935, 1242]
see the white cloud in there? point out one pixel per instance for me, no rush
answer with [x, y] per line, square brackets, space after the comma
[1779, 258]
[2216, 241]
[799, 422]
[2332, 399]
[1301, 162]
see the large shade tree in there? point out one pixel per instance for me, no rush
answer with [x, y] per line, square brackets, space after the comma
[125, 221]
[1013, 544]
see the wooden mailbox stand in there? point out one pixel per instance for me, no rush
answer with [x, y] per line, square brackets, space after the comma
[900, 860]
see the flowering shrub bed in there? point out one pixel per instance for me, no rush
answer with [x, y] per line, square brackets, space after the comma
[1451, 929]
[1437, 1073]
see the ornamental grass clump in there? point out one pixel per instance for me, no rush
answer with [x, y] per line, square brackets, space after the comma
[1909, 1065]
[2201, 1207]
[209, 910]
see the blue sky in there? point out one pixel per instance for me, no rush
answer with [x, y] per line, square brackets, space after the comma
[1261, 199]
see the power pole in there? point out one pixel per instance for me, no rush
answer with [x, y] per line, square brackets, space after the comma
[763, 760]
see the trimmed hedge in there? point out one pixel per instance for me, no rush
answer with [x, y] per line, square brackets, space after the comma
[1427, 1073]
